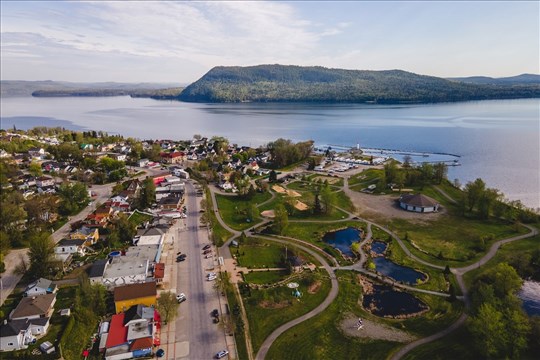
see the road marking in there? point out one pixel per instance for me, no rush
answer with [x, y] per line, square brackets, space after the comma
[182, 349]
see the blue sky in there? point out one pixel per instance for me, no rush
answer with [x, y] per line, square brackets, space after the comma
[145, 41]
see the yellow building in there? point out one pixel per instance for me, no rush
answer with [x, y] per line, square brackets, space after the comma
[89, 235]
[128, 295]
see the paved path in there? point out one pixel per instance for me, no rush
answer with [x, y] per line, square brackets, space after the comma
[322, 306]
[443, 193]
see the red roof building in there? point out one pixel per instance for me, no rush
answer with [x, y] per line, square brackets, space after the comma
[117, 331]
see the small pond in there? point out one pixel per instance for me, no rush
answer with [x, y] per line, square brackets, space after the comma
[378, 247]
[391, 269]
[384, 301]
[530, 295]
[343, 239]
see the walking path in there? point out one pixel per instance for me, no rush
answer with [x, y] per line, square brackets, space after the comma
[306, 246]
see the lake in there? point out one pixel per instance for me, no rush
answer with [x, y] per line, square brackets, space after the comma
[497, 140]
[530, 295]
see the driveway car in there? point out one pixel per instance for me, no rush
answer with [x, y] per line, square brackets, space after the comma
[222, 354]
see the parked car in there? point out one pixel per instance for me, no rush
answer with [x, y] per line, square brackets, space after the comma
[180, 259]
[208, 251]
[222, 354]
[181, 297]
[215, 313]
[208, 256]
[206, 247]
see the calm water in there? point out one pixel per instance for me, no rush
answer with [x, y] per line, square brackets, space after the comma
[530, 295]
[497, 140]
[387, 302]
[391, 269]
[343, 239]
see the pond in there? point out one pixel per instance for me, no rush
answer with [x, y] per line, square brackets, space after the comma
[397, 272]
[530, 295]
[386, 302]
[343, 239]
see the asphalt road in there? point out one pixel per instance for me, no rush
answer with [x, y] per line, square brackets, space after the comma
[197, 337]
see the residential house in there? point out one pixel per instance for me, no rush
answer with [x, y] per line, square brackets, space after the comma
[135, 294]
[170, 202]
[99, 217]
[37, 153]
[89, 235]
[34, 307]
[143, 162]
[40, 287]
[96, 271]
[44, 181]
[70, 246]
[4, 154]
[18, 334]
[117, 156]
[174, 157]
[51, 166]
[125, 270]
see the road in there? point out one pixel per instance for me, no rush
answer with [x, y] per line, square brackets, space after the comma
[196, 337]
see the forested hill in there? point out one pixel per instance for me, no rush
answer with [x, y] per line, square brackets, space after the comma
[280, 83]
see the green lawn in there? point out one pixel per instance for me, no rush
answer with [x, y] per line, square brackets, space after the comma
[365, 178]
[239, 337]
[259, 254]
[457, 345]
[456, 237]
[514, 253]
[436, 280]
[320, 337]
[265, 277]
[138, 217]
[233, 209]
[221, 235]
[313, 232]
[267, 309]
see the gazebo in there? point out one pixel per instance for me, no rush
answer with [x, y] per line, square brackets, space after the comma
[418, 203]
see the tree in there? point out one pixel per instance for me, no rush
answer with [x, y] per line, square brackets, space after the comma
[40, 253]
[167, 306]
[40, 208]
[281, 219]
[474, 191]
[35, 169]
[440, 172]
[123, 228]
[504, 279]
[148, 193]
[407, 161]
[489, 331]
[328, 199]
[74, 197]
[272, 177]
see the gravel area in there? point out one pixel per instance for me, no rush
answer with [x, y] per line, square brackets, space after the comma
[373, 330]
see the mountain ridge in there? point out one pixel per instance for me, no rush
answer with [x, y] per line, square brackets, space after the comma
[292, 83]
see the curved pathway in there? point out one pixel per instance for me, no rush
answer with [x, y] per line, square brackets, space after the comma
[458, 272]
[263, 350]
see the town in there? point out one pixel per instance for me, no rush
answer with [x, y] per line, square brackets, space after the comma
[122, 248]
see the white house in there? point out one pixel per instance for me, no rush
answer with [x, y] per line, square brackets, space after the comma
[17, 334]
[143, 162]
[44, 181]
[41, 287]
[70, 246]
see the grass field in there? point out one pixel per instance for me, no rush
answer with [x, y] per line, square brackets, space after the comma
[239, 337]
[267, 309]
[220, 233]
[138, 218]
[265, 277]
[233, 209]
[320, 337]
[457, 238]
[513, 253]
[260, 254]
[365, 178]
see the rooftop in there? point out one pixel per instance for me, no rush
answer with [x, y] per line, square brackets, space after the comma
[124, 265]
[419, 200]
[32, 306]
[134, 291]
[117, 331]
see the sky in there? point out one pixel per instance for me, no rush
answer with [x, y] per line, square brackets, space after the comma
[179, 41]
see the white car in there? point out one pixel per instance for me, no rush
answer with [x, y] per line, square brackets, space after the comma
[181, 297]
[222, 354]
[211, 277]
